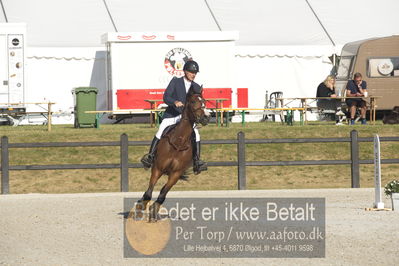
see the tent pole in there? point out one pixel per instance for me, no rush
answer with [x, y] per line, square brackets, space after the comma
[321, 24]
[4, 11]
[110, 16]
[213, 15]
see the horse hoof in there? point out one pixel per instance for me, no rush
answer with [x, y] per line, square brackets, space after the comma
[152, 219]
[138, 216]
[153, 211]
[139, 210]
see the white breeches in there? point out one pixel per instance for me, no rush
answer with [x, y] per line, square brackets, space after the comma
[171, 121]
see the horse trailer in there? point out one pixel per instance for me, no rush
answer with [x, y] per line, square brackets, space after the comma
[140, 65]
[12, 68]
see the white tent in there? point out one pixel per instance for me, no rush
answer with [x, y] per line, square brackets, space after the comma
[260, 22]
[283, 45]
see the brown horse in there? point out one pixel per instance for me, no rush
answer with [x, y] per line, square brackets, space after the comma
[174, 154]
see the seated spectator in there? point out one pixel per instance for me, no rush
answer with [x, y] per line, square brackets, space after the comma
[327, 89]
[356, 88]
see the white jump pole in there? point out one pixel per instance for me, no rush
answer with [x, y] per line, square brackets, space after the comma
[377, 173]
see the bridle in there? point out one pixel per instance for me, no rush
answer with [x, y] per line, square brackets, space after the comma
[197, 118]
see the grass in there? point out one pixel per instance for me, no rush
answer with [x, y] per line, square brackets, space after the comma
[216, 178]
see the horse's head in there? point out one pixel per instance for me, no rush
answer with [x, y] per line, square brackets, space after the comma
[196, 110]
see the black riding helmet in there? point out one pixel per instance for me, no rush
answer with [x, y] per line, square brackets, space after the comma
[191, 66]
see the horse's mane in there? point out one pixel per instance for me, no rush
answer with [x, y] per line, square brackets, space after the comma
[178, 142]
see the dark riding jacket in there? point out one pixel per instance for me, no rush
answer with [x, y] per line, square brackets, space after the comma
[324, 91]
[176, 91]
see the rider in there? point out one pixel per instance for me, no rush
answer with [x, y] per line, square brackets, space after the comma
[175, 98]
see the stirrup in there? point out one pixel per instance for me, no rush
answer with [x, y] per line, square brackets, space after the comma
[147, 160]
[200, 166]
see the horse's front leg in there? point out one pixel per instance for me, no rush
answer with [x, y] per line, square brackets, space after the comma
[154, 208]
[141, 204]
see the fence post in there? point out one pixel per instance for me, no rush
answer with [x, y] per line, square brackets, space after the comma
[242, 182]
[124, 148]
[355, 172]
[5, 182]
[49, 114]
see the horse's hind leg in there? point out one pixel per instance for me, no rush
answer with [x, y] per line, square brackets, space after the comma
[142, 203]
[154, 208]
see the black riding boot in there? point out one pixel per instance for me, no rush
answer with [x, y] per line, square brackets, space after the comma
[148, 159]
[199, 165]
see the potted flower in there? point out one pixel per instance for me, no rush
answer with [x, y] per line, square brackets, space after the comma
[392, 189]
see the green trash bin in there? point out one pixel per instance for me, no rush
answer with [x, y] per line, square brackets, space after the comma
[85, 99]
